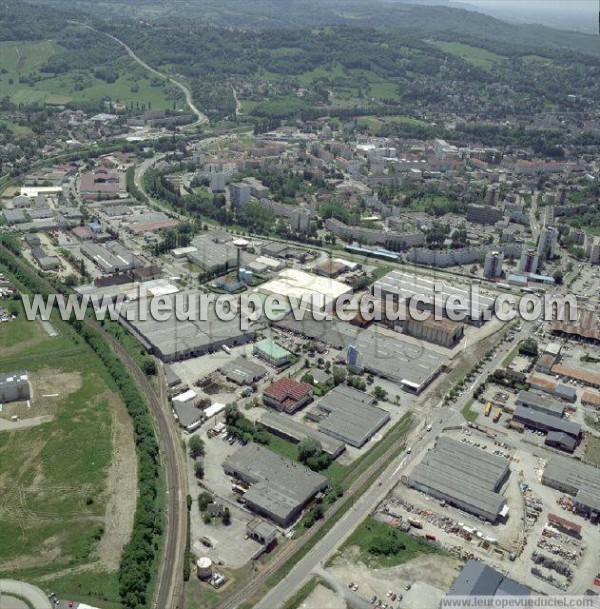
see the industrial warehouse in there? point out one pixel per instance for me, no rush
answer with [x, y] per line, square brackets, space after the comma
[541, 421]
[348, 415]
[176, 339]
[577, 479]
[540, 403]
[279, 487]
[411, 365]
[453, 301]
[311, 291]
[478, 579]
[464, 476]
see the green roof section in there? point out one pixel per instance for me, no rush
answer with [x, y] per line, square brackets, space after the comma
[271, 349]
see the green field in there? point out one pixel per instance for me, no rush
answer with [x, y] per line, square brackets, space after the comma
[371, 533]
[53, 476]
[376, 123]
[22, 60]
[475, 56]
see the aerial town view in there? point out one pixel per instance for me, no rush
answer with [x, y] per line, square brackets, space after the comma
[299, 304]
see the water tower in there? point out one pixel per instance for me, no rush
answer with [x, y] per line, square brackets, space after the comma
[204, 569]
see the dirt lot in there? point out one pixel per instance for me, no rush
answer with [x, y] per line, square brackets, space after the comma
[431, 576]
[122, 476]
[323, 598]
[48, 387]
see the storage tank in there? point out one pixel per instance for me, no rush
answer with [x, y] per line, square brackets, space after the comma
[204, 568]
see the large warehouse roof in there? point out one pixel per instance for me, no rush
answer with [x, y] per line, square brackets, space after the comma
[279, 486]
[399, 359]
[543, 403]
[406, 286]
[572, 475]
[333, 332]
[535, 418]
[173, 337]
[463, 473]
[477, 579]
[349, 415]
[291, 283]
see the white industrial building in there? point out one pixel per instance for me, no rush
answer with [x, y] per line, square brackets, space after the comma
[310, 291]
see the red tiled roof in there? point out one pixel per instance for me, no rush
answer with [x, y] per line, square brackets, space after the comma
[285, 390]
[578, 374]
[590, 397]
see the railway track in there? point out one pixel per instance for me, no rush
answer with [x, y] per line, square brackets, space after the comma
[169, 588]
[168, 592]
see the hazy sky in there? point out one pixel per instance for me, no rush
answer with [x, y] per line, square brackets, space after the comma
[590, 6]
[565, 14]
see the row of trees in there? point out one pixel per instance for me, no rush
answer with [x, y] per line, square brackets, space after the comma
[138, 557]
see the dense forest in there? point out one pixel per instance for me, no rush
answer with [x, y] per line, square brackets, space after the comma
[397, 17]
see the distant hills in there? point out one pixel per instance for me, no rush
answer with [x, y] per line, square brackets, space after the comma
[422, 20]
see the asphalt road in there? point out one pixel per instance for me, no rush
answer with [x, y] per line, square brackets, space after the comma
[381, 487]
[200, 117]
[32, 594]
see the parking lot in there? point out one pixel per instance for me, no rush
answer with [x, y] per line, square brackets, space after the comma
[228, 546]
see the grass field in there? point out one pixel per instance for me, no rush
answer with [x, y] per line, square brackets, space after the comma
[375, 123]
[470, 415]
[592, 451]
[371, 532]
[23, 60]
[53, 476]
[481, 58]
[295, 601]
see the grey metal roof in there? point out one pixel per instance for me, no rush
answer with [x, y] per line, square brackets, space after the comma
[588, 499]
[406, 286]
[348, 415]
[541, 402]
[561, 438]
[565, 390]
[292, 428]
[279, 486]
[243, 370]
[532, 417]
[13, 380]
[173, 336]
[479, 466]
[336, 333]
[571, 473]
[464, 473]
[477, 579]
[216, 249]
[398, 359]
[188, 414]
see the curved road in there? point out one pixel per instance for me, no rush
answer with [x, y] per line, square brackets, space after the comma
[32, 594]
[201, 118]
